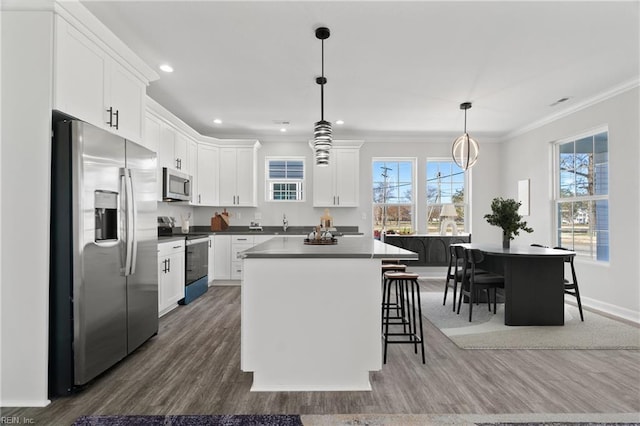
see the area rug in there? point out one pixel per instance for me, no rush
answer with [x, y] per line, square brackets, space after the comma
[531, 419]
[487, 331]
[191, 420]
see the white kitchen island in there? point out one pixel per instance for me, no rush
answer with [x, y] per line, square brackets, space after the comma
[311, 314]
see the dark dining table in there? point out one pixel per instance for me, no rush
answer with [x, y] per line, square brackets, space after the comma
[533, 281]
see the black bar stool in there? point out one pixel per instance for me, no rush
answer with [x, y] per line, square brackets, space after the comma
[398, 304]
[409, 290]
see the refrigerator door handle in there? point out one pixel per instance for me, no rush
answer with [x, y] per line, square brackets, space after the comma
[129, 222]
[124, 230]
[132, 227]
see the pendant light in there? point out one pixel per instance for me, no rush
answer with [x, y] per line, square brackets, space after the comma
[322, 129]
[465, 148]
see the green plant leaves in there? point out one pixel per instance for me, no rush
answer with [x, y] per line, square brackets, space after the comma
[505, 215]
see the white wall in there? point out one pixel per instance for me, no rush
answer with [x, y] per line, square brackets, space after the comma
[613, 286]
[485, 186]
[24, 188]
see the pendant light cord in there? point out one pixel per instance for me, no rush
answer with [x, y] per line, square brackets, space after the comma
[322, 86]
[465, 121]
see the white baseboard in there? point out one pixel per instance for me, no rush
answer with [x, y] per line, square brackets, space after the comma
[614, 310]
[20, 403]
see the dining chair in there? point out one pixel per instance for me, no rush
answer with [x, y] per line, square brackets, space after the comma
[472, 282]
[455, 272]
[571, 287]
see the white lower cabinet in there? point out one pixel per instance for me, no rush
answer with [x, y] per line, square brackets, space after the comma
[227, 265]
[212, 259]
[171, 275]
[222, 261]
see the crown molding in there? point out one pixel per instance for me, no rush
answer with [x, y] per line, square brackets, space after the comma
[614, 91]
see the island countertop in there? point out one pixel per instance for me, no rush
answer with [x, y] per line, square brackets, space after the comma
[355, 247]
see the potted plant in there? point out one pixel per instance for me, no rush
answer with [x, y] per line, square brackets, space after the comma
[504, 213]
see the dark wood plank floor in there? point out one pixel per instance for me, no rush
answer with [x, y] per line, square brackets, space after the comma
[193, 367]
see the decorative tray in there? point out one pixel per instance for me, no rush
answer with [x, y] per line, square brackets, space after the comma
[321, 242]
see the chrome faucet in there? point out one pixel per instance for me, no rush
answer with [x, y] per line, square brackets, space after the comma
[285, 223]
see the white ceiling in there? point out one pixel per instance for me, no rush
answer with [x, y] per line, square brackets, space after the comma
[394, 68]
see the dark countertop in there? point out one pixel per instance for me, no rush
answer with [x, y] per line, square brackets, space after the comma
[515, 250]
[294, 247]
[169, 238]
[266, 230]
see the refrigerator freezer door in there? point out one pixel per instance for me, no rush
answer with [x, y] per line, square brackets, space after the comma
[142, 283]
[99, 286]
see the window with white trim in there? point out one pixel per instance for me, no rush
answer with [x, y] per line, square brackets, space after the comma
[393, 195]
[582, 195]
[446, 184]
[284, 178]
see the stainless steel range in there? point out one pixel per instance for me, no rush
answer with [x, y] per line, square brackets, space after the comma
[196, 267]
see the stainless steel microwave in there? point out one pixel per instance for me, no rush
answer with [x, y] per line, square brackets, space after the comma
[176, 186]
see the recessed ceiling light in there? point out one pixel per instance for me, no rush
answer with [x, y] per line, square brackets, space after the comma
[217, 121]
[166, 68]
[283, 130]
[339, 122]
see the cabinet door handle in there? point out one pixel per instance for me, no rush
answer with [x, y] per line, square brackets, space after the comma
[241, 239]
[238, 199]
[117, 114]
[338, 200]
[199, 198]
[177, 246]
[169, 265]
[110, 111]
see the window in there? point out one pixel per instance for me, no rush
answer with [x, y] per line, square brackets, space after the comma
[445, 185]
[393, 195]
[582, 195]
[285, 179]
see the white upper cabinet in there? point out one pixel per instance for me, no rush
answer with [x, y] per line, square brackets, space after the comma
[166, 156]
[237, 178]
[173, 152]
[91, 85]
[181, 153]
[337, 185]
[152, 126]
[207, 191]
[192, 169]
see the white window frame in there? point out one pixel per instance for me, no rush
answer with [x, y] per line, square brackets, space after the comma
[556, 191]
[467, 195]
[414, 186]
[269, 182]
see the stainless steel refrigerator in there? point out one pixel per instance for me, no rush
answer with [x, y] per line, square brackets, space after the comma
[103, 269]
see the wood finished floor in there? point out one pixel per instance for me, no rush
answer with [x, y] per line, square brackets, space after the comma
[193, 367]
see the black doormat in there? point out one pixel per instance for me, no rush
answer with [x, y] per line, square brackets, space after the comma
[191, 420]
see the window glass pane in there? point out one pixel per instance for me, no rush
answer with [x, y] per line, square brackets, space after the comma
[584, 167]
[601, 159]
[565, 228]
[392, 195]
[567, 187]
[286, 169]
[445, 185]
[602, 229]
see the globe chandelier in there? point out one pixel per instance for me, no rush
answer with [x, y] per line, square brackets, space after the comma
[465, 149]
